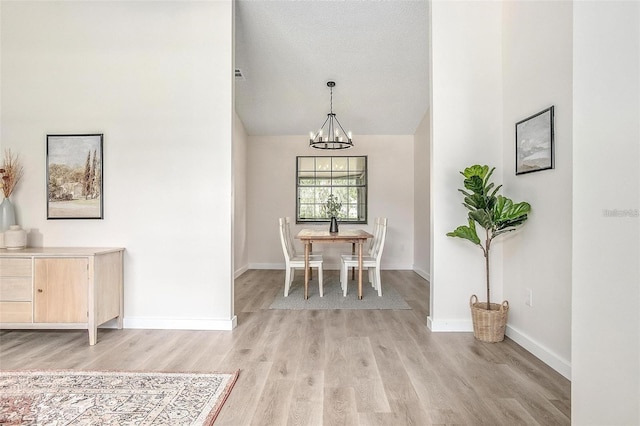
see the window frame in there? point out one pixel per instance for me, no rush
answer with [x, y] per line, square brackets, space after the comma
[364, 186]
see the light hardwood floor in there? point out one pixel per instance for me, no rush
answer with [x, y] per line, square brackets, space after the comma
[358, 367]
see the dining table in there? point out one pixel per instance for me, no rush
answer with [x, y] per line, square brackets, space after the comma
[357, 237]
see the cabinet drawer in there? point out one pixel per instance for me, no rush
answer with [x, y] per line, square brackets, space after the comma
[15, 267]
[16, 312]
[15, 289]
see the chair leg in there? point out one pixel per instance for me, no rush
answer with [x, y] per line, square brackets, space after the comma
[378, 282]
[320, 285]
[345, 278]
[287, 281]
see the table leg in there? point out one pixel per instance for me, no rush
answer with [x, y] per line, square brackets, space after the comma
[353, 252]
[310, 270]
[360, 269]
[306, 269]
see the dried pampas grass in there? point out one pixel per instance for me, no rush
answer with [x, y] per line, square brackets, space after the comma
[11, 172]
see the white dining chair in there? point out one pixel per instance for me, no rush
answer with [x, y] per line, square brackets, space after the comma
[287, 221]
[371, 261]
[370, 244]
[296, 261]
[289, 237]
[379, 221]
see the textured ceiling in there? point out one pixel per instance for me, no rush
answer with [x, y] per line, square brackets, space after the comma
[376, 52]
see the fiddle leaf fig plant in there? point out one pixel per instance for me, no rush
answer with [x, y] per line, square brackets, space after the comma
[495, 213]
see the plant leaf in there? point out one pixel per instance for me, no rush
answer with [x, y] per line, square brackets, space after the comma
[495, 191]
[506, 210]
[466, 232]
[488, 175]
[475, 170]
[509, 215]
[483, 218]
[465, 193]
[474, 184]
[476, 201]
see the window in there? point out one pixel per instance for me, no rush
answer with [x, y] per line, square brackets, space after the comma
[318, 177]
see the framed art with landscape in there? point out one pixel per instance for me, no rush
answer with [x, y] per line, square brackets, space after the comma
[534, 142]
[74, 177]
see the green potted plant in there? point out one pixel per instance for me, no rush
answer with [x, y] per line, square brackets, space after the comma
[332, 209]
[497, 215]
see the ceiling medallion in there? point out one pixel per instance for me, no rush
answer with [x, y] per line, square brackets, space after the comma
[331, 134]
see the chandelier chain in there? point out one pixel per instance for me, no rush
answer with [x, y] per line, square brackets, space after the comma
[331, 102]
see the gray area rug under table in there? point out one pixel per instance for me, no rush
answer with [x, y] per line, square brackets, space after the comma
[334, 299]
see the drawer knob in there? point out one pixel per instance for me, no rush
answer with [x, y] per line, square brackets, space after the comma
[39, 290]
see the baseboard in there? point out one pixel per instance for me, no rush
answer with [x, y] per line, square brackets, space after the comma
[424, 274]
[547, 356]
[181, 323]
[240, 271]
[453, 325]
[396, 267]
[266, 265]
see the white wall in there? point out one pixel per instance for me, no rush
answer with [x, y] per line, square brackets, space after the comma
[271, 194]
[466, 129]
[156, 79]
[537, 73]
[241, 251]
[421, 197]
[606, 248]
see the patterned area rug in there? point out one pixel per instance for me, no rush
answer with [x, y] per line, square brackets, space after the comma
[111, 398]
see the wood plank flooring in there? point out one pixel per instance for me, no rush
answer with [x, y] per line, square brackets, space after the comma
[358, 367]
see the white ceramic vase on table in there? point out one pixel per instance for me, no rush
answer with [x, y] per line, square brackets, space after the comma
[15, 238]
[7, 218]
[7, 215]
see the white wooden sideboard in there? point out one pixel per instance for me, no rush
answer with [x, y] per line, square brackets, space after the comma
[61, 288]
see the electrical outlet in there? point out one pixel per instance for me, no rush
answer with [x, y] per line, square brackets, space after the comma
[528, 297]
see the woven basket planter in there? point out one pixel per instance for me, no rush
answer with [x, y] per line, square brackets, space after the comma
[489, 325]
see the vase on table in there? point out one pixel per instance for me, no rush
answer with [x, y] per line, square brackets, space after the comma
[334, 225]
[15, 238]
[7, 215]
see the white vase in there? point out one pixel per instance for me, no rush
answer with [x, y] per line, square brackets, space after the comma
[15, 238]
[7, 215]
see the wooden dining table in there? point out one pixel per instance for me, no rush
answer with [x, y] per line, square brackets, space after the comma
[354, 236]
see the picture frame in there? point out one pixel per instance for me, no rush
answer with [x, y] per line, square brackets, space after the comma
[534, 142]
[75, 176]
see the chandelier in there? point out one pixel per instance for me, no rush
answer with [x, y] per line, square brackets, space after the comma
[331, 134]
